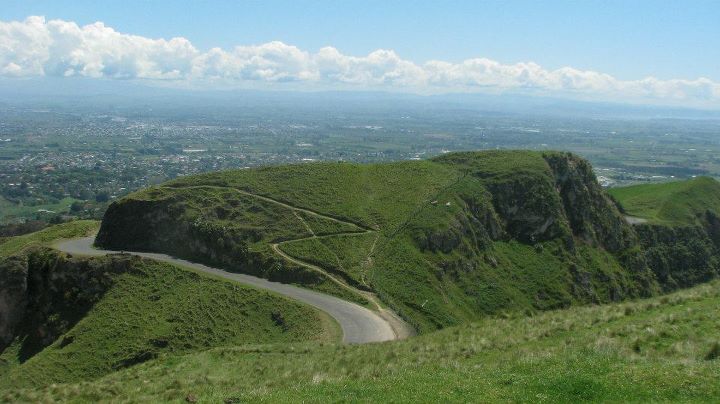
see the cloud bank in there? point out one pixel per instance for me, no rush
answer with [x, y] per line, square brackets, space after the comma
[37, 47]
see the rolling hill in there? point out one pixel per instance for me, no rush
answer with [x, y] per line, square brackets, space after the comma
[672, 203]
[508, 263]
[442, 241]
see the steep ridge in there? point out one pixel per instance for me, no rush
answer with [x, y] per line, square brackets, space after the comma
[520, 231]
[459, 237]
[678, 228]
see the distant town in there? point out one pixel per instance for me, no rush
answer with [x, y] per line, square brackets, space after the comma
[58, 163]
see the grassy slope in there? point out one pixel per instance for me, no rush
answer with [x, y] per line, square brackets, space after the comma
[429, 288]
[382, 195]
[223, 209]
[227, 208]
[11, 210]
[502, 276]
[661, 349]
[343, 254]
[672, 203]
[159, 309]
[155, 309]
[45, 236]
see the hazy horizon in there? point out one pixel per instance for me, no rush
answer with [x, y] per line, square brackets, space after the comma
[646, 53]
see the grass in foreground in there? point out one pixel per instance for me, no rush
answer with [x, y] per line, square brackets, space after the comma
[660, 349]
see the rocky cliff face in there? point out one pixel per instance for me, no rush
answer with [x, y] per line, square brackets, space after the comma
[529, 208]
[563, 200]
[13, 297]
[43, 294]
[592, 216]
[162, 226]
[576, 234]
[681, 256]
[127, 225]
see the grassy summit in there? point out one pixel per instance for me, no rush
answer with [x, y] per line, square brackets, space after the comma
[442, 241]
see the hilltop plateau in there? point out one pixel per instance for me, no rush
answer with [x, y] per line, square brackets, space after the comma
[441, 242]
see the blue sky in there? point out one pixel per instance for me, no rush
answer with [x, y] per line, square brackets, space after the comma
[628, 39]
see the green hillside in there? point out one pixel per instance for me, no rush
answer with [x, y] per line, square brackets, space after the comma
[86, 318]
[656, 350]
[46, 236]
[344, 255]
[10, 210]
[510, 265]
[680, 238]
[672, 203]
[442, 241]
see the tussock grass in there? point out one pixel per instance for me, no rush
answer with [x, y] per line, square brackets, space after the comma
[582, 353]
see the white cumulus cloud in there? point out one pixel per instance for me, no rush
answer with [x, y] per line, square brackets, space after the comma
[38, 47]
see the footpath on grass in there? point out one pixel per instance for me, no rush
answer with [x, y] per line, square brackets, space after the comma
[359, 324]
[400, 328]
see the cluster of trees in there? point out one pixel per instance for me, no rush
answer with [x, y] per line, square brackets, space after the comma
[18, 229]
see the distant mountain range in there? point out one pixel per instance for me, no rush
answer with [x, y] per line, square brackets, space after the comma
[82, 92]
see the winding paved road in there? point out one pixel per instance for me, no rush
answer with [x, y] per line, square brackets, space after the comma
[635, 220]
[359, 325]
[400, 328]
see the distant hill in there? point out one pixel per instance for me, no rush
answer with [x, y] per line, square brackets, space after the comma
[79, 228]
[680, 237]
[671, 203]
[113, 95]
[442, 241]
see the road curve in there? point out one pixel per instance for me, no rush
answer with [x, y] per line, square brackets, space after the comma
[635, 220]
[359, 325]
